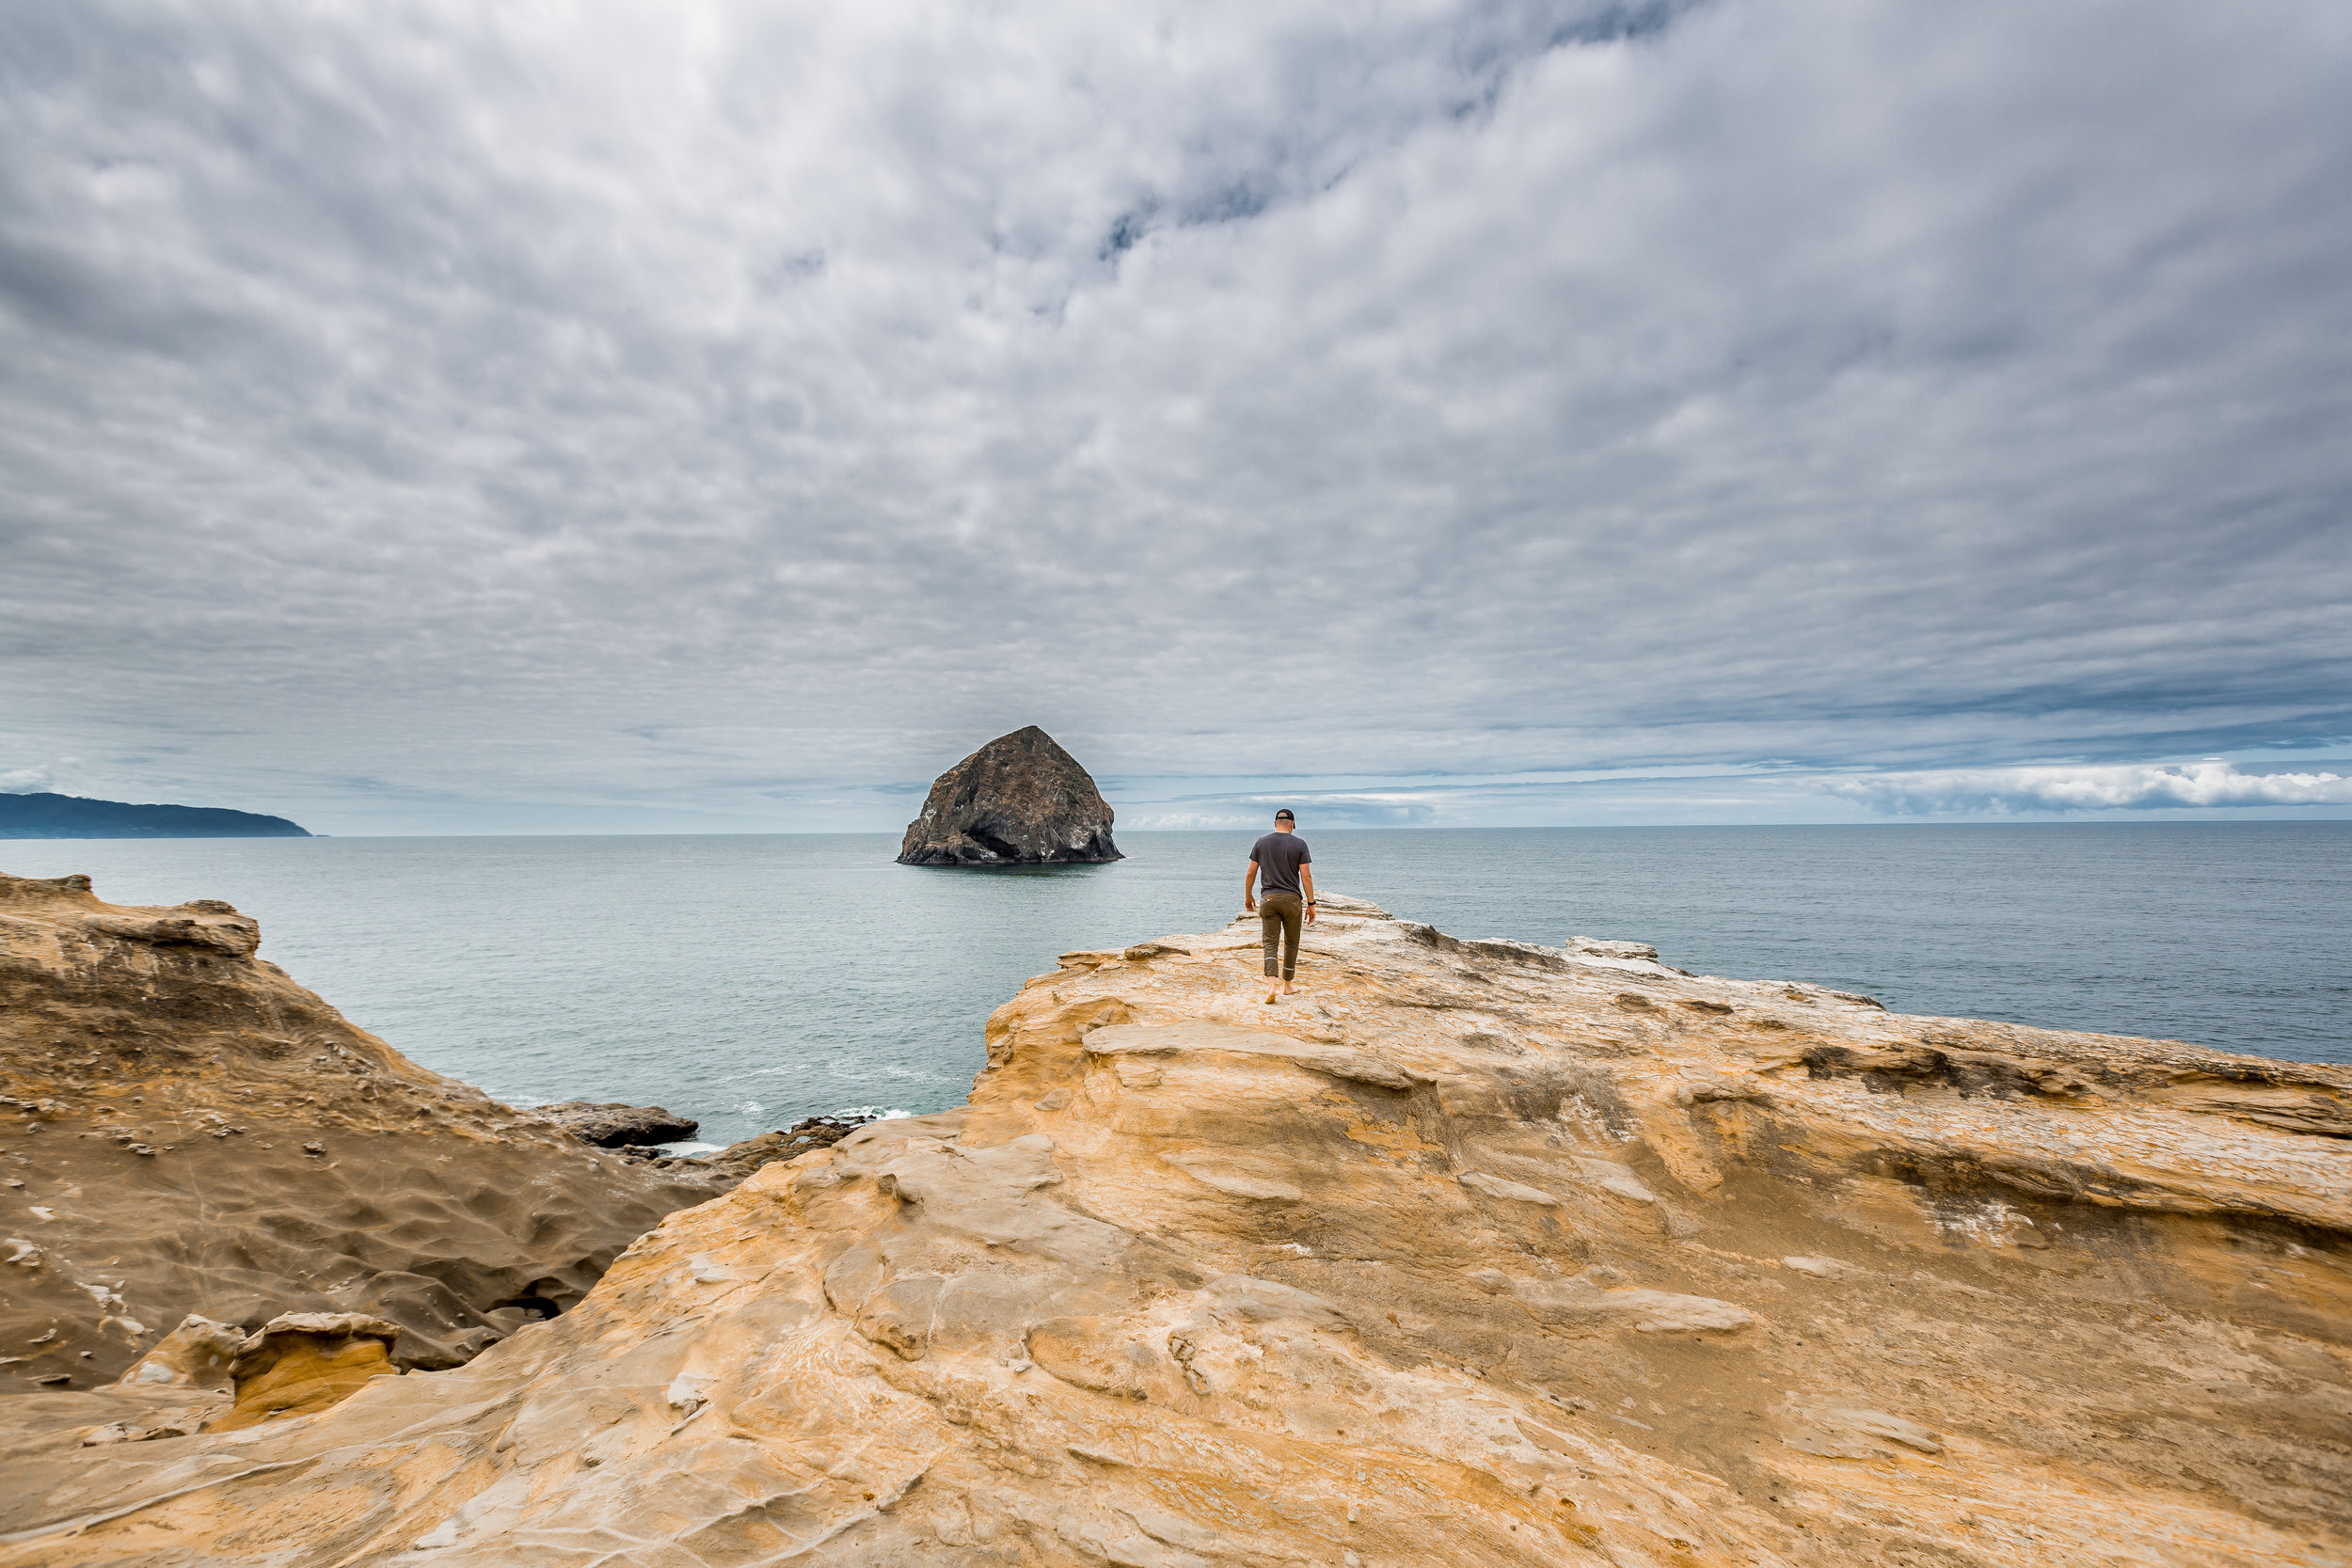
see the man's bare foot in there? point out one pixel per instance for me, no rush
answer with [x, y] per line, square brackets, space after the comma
[1270, 997]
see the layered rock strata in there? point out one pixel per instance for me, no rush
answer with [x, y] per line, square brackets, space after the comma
[1020, 800]
[301, 1363]
[187, 1131]
[1479, 1253]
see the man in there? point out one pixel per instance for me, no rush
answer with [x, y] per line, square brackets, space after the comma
[1280, 858]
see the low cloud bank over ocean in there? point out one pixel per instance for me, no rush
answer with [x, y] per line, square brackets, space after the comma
[2012, 790]
[1785, 795]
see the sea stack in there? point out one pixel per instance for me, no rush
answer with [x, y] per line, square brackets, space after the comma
[1020, 800]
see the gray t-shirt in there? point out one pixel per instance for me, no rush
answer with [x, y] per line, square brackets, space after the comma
[1279, 857]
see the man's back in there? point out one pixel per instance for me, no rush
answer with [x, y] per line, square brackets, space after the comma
[1280, 856]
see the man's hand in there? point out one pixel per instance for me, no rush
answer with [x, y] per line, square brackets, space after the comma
[1249, 905]
[1310, 914]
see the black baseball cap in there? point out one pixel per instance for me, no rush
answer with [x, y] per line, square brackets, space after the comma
[1284, 816]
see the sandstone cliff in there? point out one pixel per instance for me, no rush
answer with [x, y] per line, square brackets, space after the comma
[1020, 800]
[1481, 1253]
[186, 1130]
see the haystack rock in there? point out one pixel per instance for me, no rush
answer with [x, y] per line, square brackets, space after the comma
[184, 1131]
[1020, 800]
[1477, 1252]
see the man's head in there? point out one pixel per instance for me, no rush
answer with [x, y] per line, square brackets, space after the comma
[1283, 821]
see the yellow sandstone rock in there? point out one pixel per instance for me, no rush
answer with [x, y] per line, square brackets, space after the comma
[199, 1354]
[1458, 1259]
[300, 1362]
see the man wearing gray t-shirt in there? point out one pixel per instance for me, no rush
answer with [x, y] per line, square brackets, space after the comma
[1280, 860]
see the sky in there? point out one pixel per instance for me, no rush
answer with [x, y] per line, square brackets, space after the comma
[455, 418]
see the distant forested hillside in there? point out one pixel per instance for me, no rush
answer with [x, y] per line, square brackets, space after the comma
[69, 817]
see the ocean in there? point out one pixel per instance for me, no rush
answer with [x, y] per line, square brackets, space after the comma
[750, 981]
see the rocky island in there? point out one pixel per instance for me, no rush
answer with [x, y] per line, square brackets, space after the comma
[1479, 1252]
[1020, 800]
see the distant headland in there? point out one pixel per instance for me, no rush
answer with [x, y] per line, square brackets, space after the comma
[70, 817]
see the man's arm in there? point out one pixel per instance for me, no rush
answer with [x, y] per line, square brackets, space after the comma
[1307, 881]
[1248, 889]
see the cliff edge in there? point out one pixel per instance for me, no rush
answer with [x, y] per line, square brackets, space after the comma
[1020, 800]
[1480, 1253]
[183, 1130]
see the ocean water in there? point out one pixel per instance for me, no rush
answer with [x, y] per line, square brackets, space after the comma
[750, 981]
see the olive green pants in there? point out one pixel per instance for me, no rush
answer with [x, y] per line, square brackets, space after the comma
[1279, 917]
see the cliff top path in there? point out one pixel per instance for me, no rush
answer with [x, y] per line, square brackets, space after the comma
[1479, 1253]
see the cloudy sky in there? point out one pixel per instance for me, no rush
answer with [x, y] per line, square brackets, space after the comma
[461, 416]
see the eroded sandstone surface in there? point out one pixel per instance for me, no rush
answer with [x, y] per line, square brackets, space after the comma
[183, 1130]
[1479, 1253]
[1021, 800]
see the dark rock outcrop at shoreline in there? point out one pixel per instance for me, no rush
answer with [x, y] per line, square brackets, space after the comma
[71, 817]
[741, 1158]
[187, 1131]
[739, 1161]
[614, 1126]
[1020, 800]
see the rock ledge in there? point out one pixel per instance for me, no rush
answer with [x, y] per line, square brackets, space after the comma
[187, 1131]
[1458, 1258]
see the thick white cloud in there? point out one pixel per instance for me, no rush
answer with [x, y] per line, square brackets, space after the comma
[2006, 790]
[750, 408]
